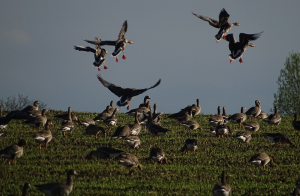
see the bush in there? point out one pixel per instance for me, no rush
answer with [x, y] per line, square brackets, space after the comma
[18, 103]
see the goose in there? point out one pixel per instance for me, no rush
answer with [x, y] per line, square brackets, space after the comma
[86, 122]
[63, 117]
[24, 191]
[14, 151]
[216, 119]
[144, 104]
[190, 145]
[34, 113]
[156, 116]
[136, 127]
[31, 107]
[155, 129]
[94, 130]
[129, 160]
[19, 115]
[99, 53]
[261, 159]
[121, 132]
[295, 123]
[68, 125]
[278, 138]
[251, 126]
[133, 141]
[182, 115]
[112, 120]
[254, 111]
[44, 136]
[105, 153]
[119, 44]
[37, 122]
[157, 155]
[223, 188]
[238, 118]
[196, 108]
[274, 119]
[126, 94]
[102, 116]
[143, 110]
[222, 130]
[238, 48]
[262, 115]
[110, 108]
[222, 24]
[243, 136]
[58, 189]
[192, 125]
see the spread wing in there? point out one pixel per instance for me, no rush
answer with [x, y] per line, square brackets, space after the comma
[122, 31]
[136, 92]
[223, 17]
[245, 38]
[211, 21]
[119, 91]
[230, 38]
[87, 49]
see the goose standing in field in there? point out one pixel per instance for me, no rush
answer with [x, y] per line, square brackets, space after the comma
[63, 117]
[68, 125]
[190, 145]
[119, 44]
[225, 117]
[142, 110]
[144, 104]
[102, 116]
[254, 111]
[192, 125]
[196, 108]
[112, 120]
[182, 115]
[133, 141]
[156, 116]
[31, 107]
[94, 130]
[238, 48]
[37, 122]
[251, 126]
[261, 159]
[121, 132]
[105, 153]
[278, 138]
[110, 109]
[24, 191]
[222, 130]
[58, 189]
[222, 24]
[14, 151]
[157, 155]
[216, 119]
[223, 188]
[238, 118]
[296, 124]
[86, 122]
[44, 136]
[129, 160]
[136, 127]
[126, 94]
[99, 53]
[243, 136]
[274, 119]
[155, 129]
[262, 115]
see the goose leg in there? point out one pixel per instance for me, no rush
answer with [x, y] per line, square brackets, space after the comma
[241, 60]
[104, 65]
[123, 57]
[117, 60]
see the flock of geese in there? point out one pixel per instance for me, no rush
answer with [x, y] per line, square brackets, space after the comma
[145, 118]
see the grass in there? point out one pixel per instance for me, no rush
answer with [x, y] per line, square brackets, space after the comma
[186, 174]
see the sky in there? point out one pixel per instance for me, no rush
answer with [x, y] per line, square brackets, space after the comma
[37, 56]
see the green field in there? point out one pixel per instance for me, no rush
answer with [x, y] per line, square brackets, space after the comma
[185, 174]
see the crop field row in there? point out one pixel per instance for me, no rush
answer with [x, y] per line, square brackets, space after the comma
[186, 173]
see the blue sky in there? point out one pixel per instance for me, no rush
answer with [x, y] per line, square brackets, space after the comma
[38, 59]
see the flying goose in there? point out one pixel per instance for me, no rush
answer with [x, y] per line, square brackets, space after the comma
[223, 188]
[37, 122]
[133, 141]
[238, 118]
[157, 155]
[94, 130]
[254, 111]
[274, 119]
[238, 48]
[44, 136]
[14, 151]
[155, 129]
[99, 53]
[119, 44]
[24, 191]
[261, 159]
[126, 94]
[216, 119]
[68, 125]
[222, 24]
[243, 136]
[105, 153]
[196, 108]
[129, 160]
[295, 123]
[57, 189]
[190, 145]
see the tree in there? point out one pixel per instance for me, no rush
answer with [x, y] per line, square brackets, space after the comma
[288, 94]
[18, 103]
